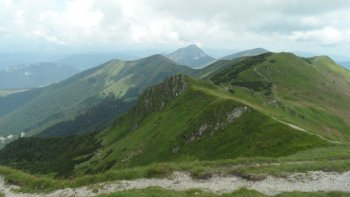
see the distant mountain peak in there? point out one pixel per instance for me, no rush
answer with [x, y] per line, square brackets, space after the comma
[260, 48]
[190, 55]
[192, 46]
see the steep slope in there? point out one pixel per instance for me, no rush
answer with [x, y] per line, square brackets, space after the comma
[186, 119]
[251, 52]
[47, 106]
[191, 56]
[91, 119]
[56, 156]
[312, 94]
[181, 119]
[34, 75]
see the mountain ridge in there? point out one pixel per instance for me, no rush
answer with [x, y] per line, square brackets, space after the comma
[250, 52]
[291, 86]
[124, 80]
[218, 127]
[271, 106]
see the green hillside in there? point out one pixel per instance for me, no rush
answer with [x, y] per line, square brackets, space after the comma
[311, 94]
[184, 120]
[35, 110]
[56, 156]
[274, 107]
[92, 119]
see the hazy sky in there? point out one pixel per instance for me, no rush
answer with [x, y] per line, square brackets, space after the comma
[319, 26]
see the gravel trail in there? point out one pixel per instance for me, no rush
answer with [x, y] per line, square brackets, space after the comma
[305, 182]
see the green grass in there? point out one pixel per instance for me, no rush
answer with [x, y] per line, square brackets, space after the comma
[199, 130]
[37, 109]
[248, 168]
[312, 94]
[141, 144]
[183, 125]
[54, 156]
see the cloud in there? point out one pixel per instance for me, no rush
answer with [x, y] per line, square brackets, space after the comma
[326, 36]
[119, 24]
[47, 37]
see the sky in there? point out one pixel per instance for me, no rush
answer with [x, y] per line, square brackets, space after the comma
[52, 26]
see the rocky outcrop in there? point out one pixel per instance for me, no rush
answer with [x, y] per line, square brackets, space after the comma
[155, 98]
[236, 113]
[221, 121]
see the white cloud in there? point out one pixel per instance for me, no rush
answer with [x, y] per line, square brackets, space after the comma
[47, 37]
[7, 3]
[326, 36]
[150, 23]
[81, 14]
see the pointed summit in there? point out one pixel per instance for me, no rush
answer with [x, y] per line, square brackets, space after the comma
[191, 56]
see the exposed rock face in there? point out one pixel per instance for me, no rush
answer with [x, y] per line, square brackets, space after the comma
[198, 134]
[155, 98]
[223, 120]
[236, 113]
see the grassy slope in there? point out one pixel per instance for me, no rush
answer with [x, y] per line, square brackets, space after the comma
[176, 132]
[95, 118]
[55, 156]
[179, 120]
[142, 141]
[142, 137]
[320, 159]
[310, 93]
[49, 105]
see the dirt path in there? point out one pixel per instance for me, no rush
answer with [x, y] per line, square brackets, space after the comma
[305, 182]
